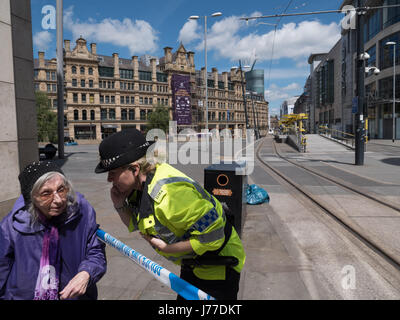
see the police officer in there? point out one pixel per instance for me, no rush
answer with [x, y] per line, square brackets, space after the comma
[181, 221]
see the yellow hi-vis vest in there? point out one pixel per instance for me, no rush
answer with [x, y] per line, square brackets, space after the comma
[183, 210]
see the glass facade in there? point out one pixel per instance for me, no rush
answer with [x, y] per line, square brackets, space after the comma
[255, 81]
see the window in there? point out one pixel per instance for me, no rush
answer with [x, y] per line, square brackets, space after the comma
[131, 114]
[92, 114]
[145, 75]
[90, 83]
[106, 72]
[126, 74]
[390, 15]
[83, 97]
[386, 52]
[142, 114]
[54, 87]
[90, 70]
[82, 83]
[111, 114]
[124, 114]
[101, 99]
[161, 77]
[103, 114]
[74, 83]
[82, 69]
[75, 97]
[73, 70]
[122, 99]
[76, 114]
[132, 100]
[84, 115]
[107, 99]
[112, 99]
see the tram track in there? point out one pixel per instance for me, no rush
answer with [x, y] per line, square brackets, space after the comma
[373, 242]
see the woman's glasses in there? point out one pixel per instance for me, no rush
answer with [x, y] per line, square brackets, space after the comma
[47, 196]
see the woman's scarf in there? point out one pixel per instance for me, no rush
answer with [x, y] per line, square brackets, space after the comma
[47, 283]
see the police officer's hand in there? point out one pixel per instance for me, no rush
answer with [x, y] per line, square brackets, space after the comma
[177, 247]
[155, 242]
[117, 197]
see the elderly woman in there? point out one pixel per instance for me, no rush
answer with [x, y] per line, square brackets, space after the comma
[48, 244]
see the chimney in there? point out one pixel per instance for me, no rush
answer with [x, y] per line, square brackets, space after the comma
[153, 65]
[67, 45]
[116, 65]
[41, 59]
[215, 77]
[202, 75]
[168, 54]
[135, 65]
[190, 56]
[93, 48]
[225, 79]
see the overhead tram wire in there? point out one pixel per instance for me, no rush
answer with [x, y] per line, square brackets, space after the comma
[318, 12]
[273, 42]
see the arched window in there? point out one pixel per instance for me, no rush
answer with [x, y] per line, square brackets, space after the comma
[73, 69]
[91, 114]
[84, 115]
[82, 70]
[76, 114]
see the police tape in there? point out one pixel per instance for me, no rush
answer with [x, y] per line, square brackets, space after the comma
[180, 286]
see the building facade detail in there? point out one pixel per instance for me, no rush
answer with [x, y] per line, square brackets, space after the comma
[106, 94]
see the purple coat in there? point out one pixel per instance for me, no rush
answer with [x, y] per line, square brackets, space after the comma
[21, 249]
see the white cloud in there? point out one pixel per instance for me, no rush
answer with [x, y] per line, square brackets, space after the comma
[42, 40]
[294, 41]
[189, 32]
[138, 35]
[274, 92]
[286, 73]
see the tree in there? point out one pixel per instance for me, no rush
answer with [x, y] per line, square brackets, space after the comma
[158, 119]
[46, 119]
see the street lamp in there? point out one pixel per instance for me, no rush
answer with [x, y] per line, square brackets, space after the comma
[392, 43]
[215, 14]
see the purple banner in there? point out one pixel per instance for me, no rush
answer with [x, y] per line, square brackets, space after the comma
[181, 103]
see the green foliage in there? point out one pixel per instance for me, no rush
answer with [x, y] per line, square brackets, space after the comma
[46, 119]
[158, 119]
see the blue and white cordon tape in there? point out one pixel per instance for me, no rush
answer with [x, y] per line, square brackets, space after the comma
[180, 286]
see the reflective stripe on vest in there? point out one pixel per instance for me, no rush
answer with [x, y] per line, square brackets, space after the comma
[200, 225]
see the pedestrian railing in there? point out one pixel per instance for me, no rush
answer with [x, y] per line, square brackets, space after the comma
[337, 135]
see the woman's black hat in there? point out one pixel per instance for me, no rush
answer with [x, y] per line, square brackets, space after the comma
[121, 148]
[31, 173]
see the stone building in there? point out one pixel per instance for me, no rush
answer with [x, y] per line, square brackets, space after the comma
[106, 94]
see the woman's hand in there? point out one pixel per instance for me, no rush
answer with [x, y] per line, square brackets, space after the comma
[76, 286]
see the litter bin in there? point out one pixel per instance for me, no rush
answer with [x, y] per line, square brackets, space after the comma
[221, 181]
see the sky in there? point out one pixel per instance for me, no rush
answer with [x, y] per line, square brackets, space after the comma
[130, 27]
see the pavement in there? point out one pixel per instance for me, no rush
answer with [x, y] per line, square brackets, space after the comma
[276, 265]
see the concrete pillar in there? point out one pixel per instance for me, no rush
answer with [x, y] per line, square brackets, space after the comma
[18, 127]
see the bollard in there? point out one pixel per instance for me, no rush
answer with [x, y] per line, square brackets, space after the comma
[221, 181]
